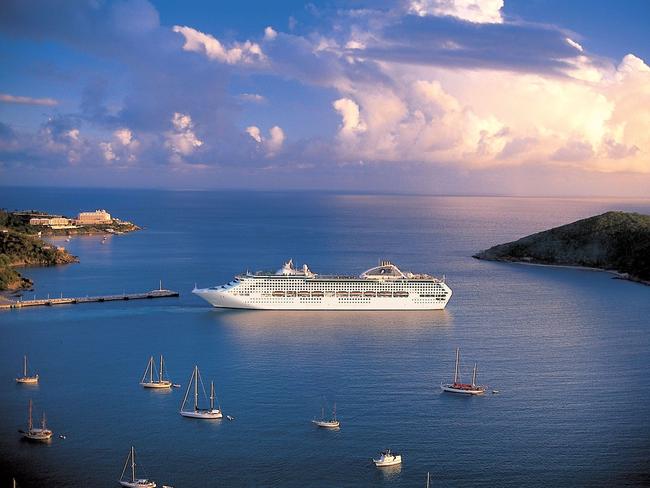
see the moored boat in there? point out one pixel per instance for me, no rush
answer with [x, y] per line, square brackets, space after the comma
[332, 423]
[155, 379]
[383, 287]
[133, 481]
[42, 434]
[463, 388]
[26, 378]
[210, 413]
[387, 458]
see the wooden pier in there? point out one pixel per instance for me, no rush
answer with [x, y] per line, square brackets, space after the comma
[160, 293]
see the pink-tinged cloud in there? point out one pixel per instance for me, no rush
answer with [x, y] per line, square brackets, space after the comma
[48, 102]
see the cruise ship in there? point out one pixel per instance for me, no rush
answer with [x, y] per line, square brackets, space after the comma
[384, 287]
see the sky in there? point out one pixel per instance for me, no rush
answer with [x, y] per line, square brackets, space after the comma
[496, 97]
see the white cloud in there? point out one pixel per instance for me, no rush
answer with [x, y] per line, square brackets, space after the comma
[124, 136]
[437, 115]
[246, 53]
[271, 144]
[107, 151]
[73, 134]
[182, 140]
[254, 132]
[275, 141]
[477, 11]
[270, 33]
[351, 118]
[48, 102]
[252, 97]
[573, 43]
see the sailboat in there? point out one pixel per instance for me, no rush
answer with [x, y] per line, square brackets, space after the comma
[155, 379]
[196, 412]
[25, 379]
[464, 388]
[134, 482]
[41, 434]
[333, 423]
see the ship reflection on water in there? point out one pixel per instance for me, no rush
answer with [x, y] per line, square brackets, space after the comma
[383, 323]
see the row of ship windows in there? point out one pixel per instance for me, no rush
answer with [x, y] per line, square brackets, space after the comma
[344, 294]
[338, 284]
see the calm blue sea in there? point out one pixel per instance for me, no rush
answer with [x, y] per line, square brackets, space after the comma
[569, 350]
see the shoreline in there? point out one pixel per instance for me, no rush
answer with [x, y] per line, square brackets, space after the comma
[617, 275]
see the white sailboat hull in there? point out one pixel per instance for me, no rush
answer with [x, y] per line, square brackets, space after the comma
[325, 424]
[157, 384]
[28, 380]
[203, 414]
[41, 435]
[138, 484]
[462, 391]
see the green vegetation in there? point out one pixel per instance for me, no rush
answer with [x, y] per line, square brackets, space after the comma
[616, 241]
[19, 248]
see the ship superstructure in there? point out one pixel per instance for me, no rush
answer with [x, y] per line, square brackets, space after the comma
[384, 287]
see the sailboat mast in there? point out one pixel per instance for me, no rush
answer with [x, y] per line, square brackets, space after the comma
[474, 376]
[212, 395]
[457, 363]
[161, 368]
[29, 421]
[132, 464]
[196, 388]
[25, 365]
[151, 369]
[43, 422]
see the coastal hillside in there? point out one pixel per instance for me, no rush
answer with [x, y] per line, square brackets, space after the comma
[617, 241]
[19, 249]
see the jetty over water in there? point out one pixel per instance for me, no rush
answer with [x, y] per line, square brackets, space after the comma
[159, 293]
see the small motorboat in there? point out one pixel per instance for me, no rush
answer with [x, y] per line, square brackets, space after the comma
[387, 458]
[324, 423]
[464, 388]
[230, 417]
[61, 436]
[42, 434]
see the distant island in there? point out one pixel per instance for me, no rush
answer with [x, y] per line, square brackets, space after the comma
[613, 241]
[21, 242]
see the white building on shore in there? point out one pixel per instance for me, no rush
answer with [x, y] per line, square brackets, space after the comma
[93, 218]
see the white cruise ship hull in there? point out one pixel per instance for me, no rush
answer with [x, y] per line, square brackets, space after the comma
[224, 299]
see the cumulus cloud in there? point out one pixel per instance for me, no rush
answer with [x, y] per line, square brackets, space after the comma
[48, 102]
[254, 132]
[182, 141]
[124, 136]
[247, 53]
[477, 11]
[123, 147]
[271, 144]
[270, 33]
[351, 122]
[107, 151]
[437, 83]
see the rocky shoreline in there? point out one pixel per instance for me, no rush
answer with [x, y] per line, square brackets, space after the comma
[615, 242]
[22, 245]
